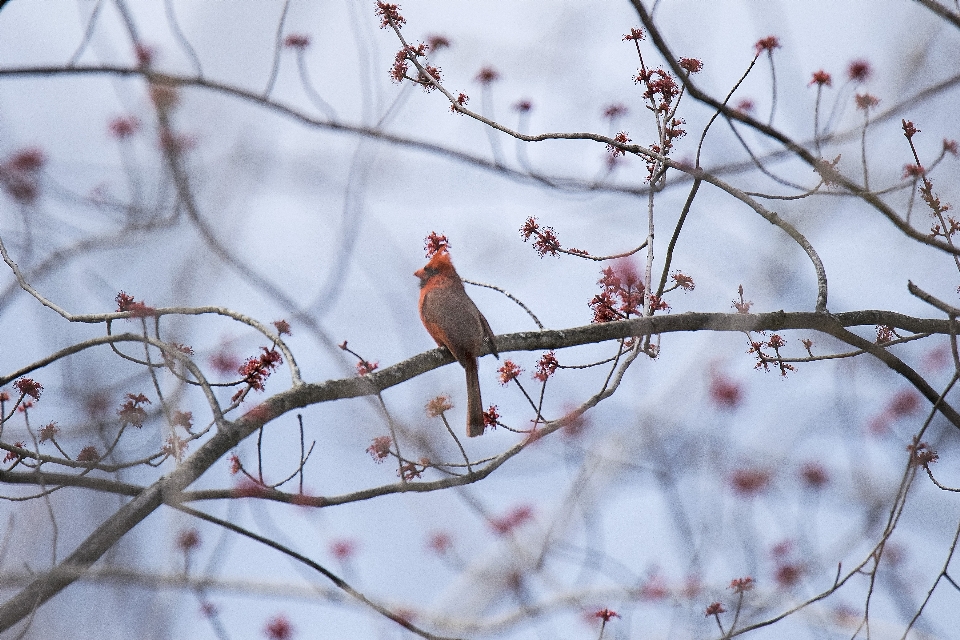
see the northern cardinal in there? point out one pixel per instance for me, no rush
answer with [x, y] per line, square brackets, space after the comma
[454, 322]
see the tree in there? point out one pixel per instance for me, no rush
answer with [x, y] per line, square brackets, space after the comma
[210, 244]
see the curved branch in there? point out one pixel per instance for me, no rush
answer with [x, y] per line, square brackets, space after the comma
[827, 172]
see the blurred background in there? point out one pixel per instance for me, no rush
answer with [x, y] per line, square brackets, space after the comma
[314, 182]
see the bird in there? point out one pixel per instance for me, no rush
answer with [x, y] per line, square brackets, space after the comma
[453, 321]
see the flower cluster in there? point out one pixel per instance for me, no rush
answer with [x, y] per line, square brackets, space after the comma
[615, 148]
[379, 449]
[614, 111]
[546, 366]
[279, 628]
[749, 482]
[365, 367]
[389, 15]
[512, 519]
[257, 369]
[29, 387]
[776, 342]
[509, 371]
[175, 446]
[605, 615]
[724, 391]
[438, 406]
[545, 239]
[767, 44]
[814, 475]
[921, 454]
[435, 243]
[865, 101]
[491, 417]
[130, 412]
[691, 65]
[126, 303]
[426, 74]
[821, 78]
[621, 295]
[49, 431]
[282, 327]
[296, 41]
[20, 174]
[123, 127]
[487, 75]
[661, 88]
[742, 585]
[859, 71]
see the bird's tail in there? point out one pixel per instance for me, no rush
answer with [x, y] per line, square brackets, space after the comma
[474, 404]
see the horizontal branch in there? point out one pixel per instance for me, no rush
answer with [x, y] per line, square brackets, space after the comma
[230, 434]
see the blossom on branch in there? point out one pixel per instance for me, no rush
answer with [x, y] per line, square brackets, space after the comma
[389, 15]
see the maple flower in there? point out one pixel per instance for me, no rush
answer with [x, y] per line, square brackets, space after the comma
[814, 475]
[614, 111]
[715, 608]
[257, 369]
[683, 281]
[130, 412]
[742, 585]
[913, 171]
[546, 366]
[379, 449]
[279, 627]
[909, 129]
[435, 243]
[621, 293]
[343, 549]
[749, 482]
[511, 520]
[859, 70]
[461, 101]
[866, 101]
[635, 35]
[487, 75]
[183, 419]
[282, 327]
[614, 149]
[767, 44]
[126, 303]
[725, 392]
[440, 542]
[11, 455]
[175, 446]
[88, 454]
[389, 14]
[490, 417]
[606, 614]
[523, 106]
[821, 78]
[437, 406]
[691, 65]
[29, 387]
[49, 431]
[188, 539]
[437, 42]
[509, 371]
[365, 367]
[745, 105]
[297, 41]
[123, 127]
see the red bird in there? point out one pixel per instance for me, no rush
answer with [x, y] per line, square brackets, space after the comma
[454, 322]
